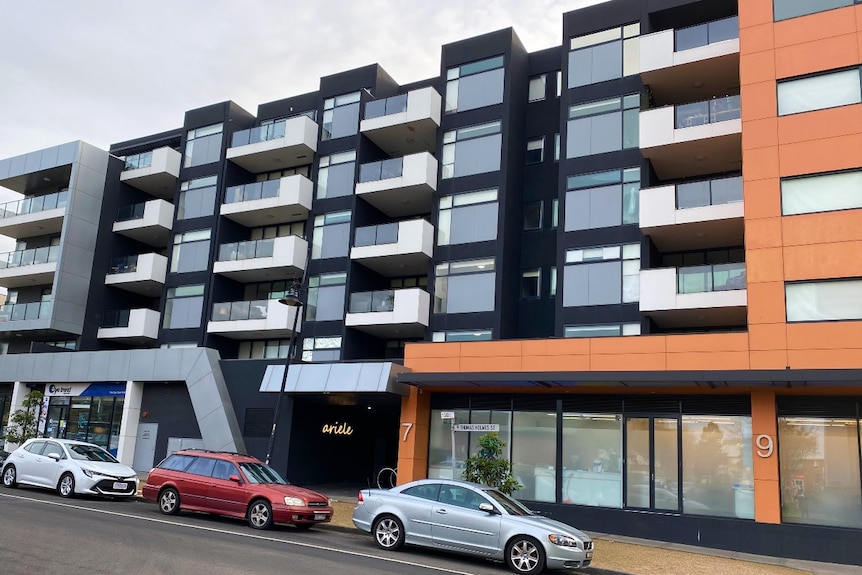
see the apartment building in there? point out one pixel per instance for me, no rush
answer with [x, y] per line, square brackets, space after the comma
[628, 253]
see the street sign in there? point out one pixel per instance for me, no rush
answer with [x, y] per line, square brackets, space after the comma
[477, 427]
[447, 415]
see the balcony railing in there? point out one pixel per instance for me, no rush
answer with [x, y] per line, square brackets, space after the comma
[129, 213]
[372, 301]
[376, 235]
[705, 34]
[709, 278]
[381, 170]
[707, 112]
[239, 310]
[391, 105]
[29, 257]
[263, 133]
[115, 318]
[34, 204]
[253, 191]
[25, 311]
[246, 250]
[123, 265]
[139, 161]
[715, 192]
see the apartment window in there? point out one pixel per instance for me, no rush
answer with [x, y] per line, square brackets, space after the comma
[602, 275]
[179, 345]
[786, 9]
[531, 282]
[278, 174]
[536, 150]
[538, 87]
[336, 175]
[264, 349]
[559, 83]
[603, 126]
[280, 231]
[321, 349]
[557, 147]
[63, 344]
[183, 307]
[828, 90]
[197, 198]
[471, 335]
[474, 85]
[604, 55]
[340, 116]
[266, 290]
[326, 297]
[821, 193]
[467, 218]
[471, 150]
[203, 146]
[602, 199]
[331, 237]
[533, 215]
[552, 287]
[602, 330]
[191, 251]
[465, 286]
[824, 301]
[555, 213]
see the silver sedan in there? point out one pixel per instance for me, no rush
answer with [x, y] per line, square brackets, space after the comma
[471, 519]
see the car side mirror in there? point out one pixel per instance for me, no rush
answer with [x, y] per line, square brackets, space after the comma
[54, 456]
[487, 508]
[235, 479]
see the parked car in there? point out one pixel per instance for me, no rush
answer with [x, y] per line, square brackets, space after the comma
[233, 485]
[471, 519]
[70, 467]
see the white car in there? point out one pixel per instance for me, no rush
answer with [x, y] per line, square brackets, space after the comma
[70, 467]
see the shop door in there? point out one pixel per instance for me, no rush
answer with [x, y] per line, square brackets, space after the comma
[56, 421]
[652, 463]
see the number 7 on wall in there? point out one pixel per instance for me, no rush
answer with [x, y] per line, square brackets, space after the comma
[407, 427]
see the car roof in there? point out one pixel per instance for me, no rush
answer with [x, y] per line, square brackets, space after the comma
[226, 455]
[445, 482]
[64, 441]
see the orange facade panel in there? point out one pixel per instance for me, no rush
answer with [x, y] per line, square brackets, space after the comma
[822, 261]
[429, 350]
[767, 337]
[843, 226]
[819, 155]
[760, 164]
[763, 266]
[707, 342]
[819, 358]
[775, 359]
[816, 56]
[825, 335]
[763, 233]
[756, 67]
[821, 125]
[759, 133]
[766, 302]
[815, 27]
[757, 38]
[716, 360]
[755, 12]
[762, 197]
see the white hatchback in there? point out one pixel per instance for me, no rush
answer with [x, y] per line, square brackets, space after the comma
[70, 467]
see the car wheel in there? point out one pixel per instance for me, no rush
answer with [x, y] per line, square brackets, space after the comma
[9, 477]
[388, 533]
[525, 555]
[260, 514]
[169, 501]
[66, 486]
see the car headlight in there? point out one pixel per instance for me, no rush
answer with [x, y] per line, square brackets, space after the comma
[87, 472]
[563, 540]
[294, 501]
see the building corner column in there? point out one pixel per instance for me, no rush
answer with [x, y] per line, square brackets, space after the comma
[764, 432]
[413, 436]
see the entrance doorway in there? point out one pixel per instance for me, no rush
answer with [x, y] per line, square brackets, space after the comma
[652, 467]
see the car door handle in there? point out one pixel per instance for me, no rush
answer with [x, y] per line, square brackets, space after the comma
[441, 511]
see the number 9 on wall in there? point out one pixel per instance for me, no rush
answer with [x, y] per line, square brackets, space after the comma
[765, 445]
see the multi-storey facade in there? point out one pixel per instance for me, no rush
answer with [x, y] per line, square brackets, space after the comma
[621, 251]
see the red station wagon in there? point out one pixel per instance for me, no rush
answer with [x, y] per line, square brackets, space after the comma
[233, 485]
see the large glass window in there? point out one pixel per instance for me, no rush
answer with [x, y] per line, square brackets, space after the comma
[602, 275]
[475, 85]
[197, 198]
[592, 459]
[321, 349]
[203, 146]
[465, 286]
[603, 199]
[534, 454]
[818, 92]
[470, 335]
[602, 330]
[191, 251]
[784, 9]
[336, 175]
[821, 193]
[183, 307]
[603, 126]
[326, 297]
[340, 116]
[824, 301]
[468, 217]
[471, 150]
[537, 88]
[331, 237]
[604, 55]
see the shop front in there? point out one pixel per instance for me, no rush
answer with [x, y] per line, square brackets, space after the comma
[5, 409]
[90, 412]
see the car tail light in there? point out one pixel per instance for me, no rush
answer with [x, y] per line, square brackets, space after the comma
[359, 498]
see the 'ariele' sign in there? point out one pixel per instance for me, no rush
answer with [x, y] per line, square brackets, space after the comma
[337, 429]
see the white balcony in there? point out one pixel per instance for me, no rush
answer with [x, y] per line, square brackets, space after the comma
[393, 314]
[33, 215]
[695, 215]
[259, 319]
[262, 260]
[691, 63]
[276, 146]
[131, 326]
[404, 124]
[154, 172]
[270, 202]
[693, 139]
[149, 222]
[395, 249]
[698, 296]
[142, 274]
[35, 266]
[401, 186]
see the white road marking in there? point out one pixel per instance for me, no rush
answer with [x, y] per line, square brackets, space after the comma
[248, 535]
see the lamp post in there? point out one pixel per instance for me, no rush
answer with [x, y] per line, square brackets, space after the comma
[291, 299]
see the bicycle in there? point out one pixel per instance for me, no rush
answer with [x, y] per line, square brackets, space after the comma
[387, 478]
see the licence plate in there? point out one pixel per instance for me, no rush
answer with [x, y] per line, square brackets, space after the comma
[120, 486]
[589, 554]
[320, 516]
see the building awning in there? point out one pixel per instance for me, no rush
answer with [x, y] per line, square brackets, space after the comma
[377, 377]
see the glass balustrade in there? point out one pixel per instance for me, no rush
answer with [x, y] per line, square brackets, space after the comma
[25, 311]
[709, 278]
[385, 107]
[707, 112]
[30, 257]
[34, 204]
[133, 212]
[376, 235]
[263, 133]
[240, 310]
[139, 161]
[372, 301]
[115, 318]
[381, 170]
[123, 265]
[715, 192]
[246, 250]
[705, 34]
[253, 191]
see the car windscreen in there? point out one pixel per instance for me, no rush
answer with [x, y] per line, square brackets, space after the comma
[90, 453]
[260, 473]
[512, 506]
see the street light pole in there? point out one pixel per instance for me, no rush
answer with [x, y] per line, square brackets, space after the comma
[290, 299]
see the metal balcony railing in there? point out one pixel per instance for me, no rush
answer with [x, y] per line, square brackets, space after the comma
[714, 192]
[34, 204]
[246, 250]
[115, 318]
[372, 301]
[133, 212]
[253, 191]
[709, 278]
[263, 133]
[123, 265]
[29, 257]
[381, 170]
[240, 310]
[25, 311]
[707, 112]
[138, 161]
[376, 235]
[385, 107]
[705, 34]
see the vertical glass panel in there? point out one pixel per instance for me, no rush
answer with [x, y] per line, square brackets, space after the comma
[637, 462]
[784, 9]
[823, 301]
[480, 90]
[592, 472]
[666, 464]
[534, 455]
[443, 461]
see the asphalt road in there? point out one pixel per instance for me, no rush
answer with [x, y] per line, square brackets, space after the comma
[42, 534]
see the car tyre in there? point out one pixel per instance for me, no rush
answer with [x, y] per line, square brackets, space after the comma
[66, 485]
[259, 514]
[525, 555]
[10, 477]
[169, 501]
[388, 533]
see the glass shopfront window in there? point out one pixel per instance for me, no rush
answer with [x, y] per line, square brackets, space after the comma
[93, 413]
[592, 459]
[5, 408]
